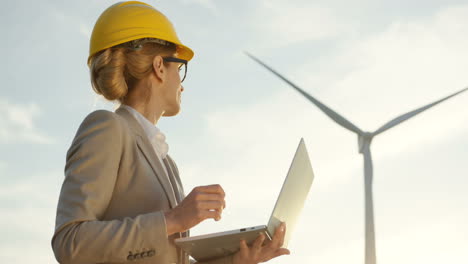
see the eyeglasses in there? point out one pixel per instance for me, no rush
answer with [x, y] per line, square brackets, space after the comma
[182, 67]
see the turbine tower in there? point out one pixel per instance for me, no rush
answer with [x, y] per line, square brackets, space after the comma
[364, 142]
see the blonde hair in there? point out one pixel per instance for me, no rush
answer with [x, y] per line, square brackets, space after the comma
[115, 70]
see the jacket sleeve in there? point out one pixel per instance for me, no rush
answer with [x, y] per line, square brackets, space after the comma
[91, 169]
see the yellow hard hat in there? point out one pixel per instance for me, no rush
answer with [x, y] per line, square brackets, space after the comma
[126, 21]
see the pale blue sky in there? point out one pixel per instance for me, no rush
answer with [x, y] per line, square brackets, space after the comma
[240, 125]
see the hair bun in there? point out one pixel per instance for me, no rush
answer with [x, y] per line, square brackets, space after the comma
[107, 74]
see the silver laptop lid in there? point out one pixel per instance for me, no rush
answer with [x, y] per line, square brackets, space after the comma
[293, 194]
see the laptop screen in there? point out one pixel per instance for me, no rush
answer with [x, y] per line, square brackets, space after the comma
[293, 194]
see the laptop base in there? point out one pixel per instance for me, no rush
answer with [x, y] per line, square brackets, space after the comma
[216, 245]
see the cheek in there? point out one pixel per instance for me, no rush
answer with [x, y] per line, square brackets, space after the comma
[172, 92]
[176, 82]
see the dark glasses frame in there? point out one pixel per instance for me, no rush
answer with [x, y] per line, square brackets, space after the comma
[184, 62]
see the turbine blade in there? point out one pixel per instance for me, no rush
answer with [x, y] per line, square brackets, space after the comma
[329, 112]
[409, 115]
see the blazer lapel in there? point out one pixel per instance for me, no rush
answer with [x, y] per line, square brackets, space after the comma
[147, 149]
[173, 179]
[175, 172]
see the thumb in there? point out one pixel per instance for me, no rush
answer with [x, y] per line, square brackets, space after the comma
[281, 251]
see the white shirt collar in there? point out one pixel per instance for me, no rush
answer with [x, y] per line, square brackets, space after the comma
[156, 137]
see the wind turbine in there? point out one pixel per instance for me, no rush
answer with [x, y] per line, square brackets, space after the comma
[364, 141]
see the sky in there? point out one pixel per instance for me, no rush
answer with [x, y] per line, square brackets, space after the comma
[239, 125]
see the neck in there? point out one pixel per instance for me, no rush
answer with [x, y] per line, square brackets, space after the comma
[150, 108]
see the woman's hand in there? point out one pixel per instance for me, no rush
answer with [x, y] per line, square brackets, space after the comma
[203, 202]
[258, 253]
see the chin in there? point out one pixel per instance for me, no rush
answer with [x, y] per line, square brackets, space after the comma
[172, 112]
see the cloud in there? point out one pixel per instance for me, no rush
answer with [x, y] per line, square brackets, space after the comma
[31, 201]
[18, 123]
[85, 30]
[280, 24]
[3, 165]
[69, 20]
[208, 4]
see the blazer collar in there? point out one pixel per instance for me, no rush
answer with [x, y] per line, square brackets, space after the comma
[145, 146]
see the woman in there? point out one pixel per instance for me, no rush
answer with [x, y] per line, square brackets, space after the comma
[122, 199]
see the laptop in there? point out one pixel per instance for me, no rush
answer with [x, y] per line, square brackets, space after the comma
[287, 209]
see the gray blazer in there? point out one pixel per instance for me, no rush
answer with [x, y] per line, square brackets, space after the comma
[112, 199]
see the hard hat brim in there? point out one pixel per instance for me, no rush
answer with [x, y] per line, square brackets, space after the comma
[184, 52]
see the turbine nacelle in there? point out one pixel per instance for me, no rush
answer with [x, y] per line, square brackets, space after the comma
[364, 139]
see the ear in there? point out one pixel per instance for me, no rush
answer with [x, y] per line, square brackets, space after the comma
[158, 68]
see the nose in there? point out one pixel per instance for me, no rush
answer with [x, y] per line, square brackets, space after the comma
[181, 88]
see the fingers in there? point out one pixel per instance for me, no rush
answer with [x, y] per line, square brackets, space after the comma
[205, 214]
[210, 197]
[211, 206]
[203, 202]
[283, 235]
[215, 188]
[257, 252]
[278, 237]
[209, 193]
[244, 249]
[257, 245]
